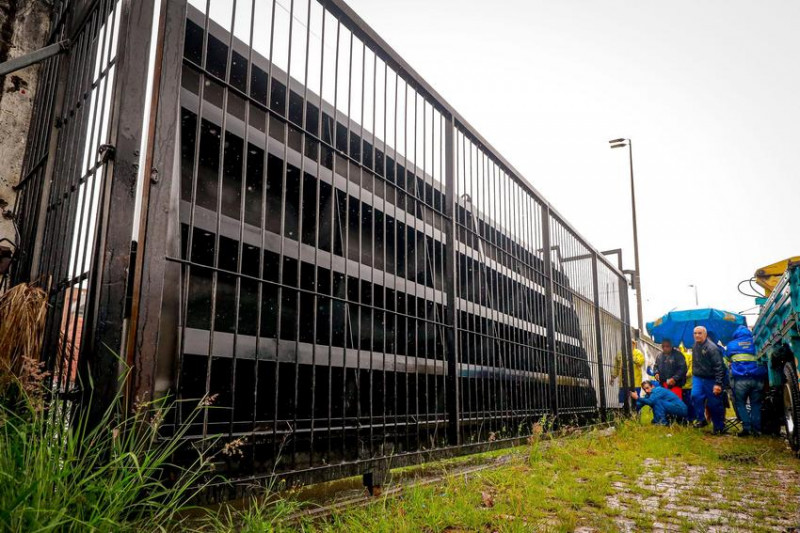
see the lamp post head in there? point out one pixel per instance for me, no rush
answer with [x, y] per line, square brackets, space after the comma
[619, 143]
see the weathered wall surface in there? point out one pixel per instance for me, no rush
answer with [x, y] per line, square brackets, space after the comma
[23, 29]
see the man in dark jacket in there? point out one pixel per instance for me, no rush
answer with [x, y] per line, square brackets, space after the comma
[665, 403]
[748, 374]
[670, 368]
[709, 376]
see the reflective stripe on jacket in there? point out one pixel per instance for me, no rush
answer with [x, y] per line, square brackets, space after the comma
[741, 352]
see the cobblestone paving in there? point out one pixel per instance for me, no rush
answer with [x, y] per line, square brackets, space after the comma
[739, 498]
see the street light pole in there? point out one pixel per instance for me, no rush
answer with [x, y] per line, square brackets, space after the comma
[696, 301]
[637, 282]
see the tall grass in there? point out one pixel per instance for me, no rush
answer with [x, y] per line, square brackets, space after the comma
[113, 476]
[60, 473]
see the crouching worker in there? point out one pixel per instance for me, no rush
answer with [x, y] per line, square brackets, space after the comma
[665, 404]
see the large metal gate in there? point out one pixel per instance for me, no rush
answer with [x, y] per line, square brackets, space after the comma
[283, 215]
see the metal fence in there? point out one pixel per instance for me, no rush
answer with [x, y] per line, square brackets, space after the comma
[62, 195]
[286, 217]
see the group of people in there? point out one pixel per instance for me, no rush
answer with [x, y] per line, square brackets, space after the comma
[686, 385]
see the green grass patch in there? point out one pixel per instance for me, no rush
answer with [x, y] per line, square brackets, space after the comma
[563, 484]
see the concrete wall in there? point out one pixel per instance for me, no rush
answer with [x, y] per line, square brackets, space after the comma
[23, 29]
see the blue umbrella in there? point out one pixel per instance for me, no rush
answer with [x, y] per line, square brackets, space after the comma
[678, 326]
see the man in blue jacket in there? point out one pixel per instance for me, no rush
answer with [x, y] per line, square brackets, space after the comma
[709, 377]
[663, 401]
[748, 380]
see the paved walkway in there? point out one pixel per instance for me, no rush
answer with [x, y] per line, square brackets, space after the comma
[738, 498]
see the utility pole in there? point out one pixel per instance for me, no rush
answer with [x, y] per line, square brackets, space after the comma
[637, 281]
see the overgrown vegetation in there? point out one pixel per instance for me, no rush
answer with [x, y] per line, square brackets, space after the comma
[22, 318]
[57, 472]
[103, 478]
[568, 483]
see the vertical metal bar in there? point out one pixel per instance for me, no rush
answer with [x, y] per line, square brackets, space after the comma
[598, 336]
[526, 246]
[278, 290]
[300, 215]
[360, 307]
[318, 159]
[185, 274]
[348, 309]
[550, 311]
[155, 336]
[480, 318]
[130, 94]
[479, 321]
[492, 404]
[237, 289]
[511, 342]
[334, 219]
[215, 275]
[419, 288]
[450, 272]
[374, 310]
[402, 181]
[314, 299]
[519, 301]
[385, 313]
[339, 227]
[282, 264]
[332, 231]
[529, 251]
[415, 202]
[395, 230]
[262, 220]
[439, 331]
[467, 353]
[625, 354]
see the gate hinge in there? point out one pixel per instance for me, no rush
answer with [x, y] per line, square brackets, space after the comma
[107, 152]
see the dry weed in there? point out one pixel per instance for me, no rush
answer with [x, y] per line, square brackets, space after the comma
[23, 310]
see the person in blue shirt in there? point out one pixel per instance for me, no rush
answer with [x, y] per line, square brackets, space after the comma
[664, 403]
[748, 374]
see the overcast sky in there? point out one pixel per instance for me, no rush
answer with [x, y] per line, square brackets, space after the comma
[708, 91]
